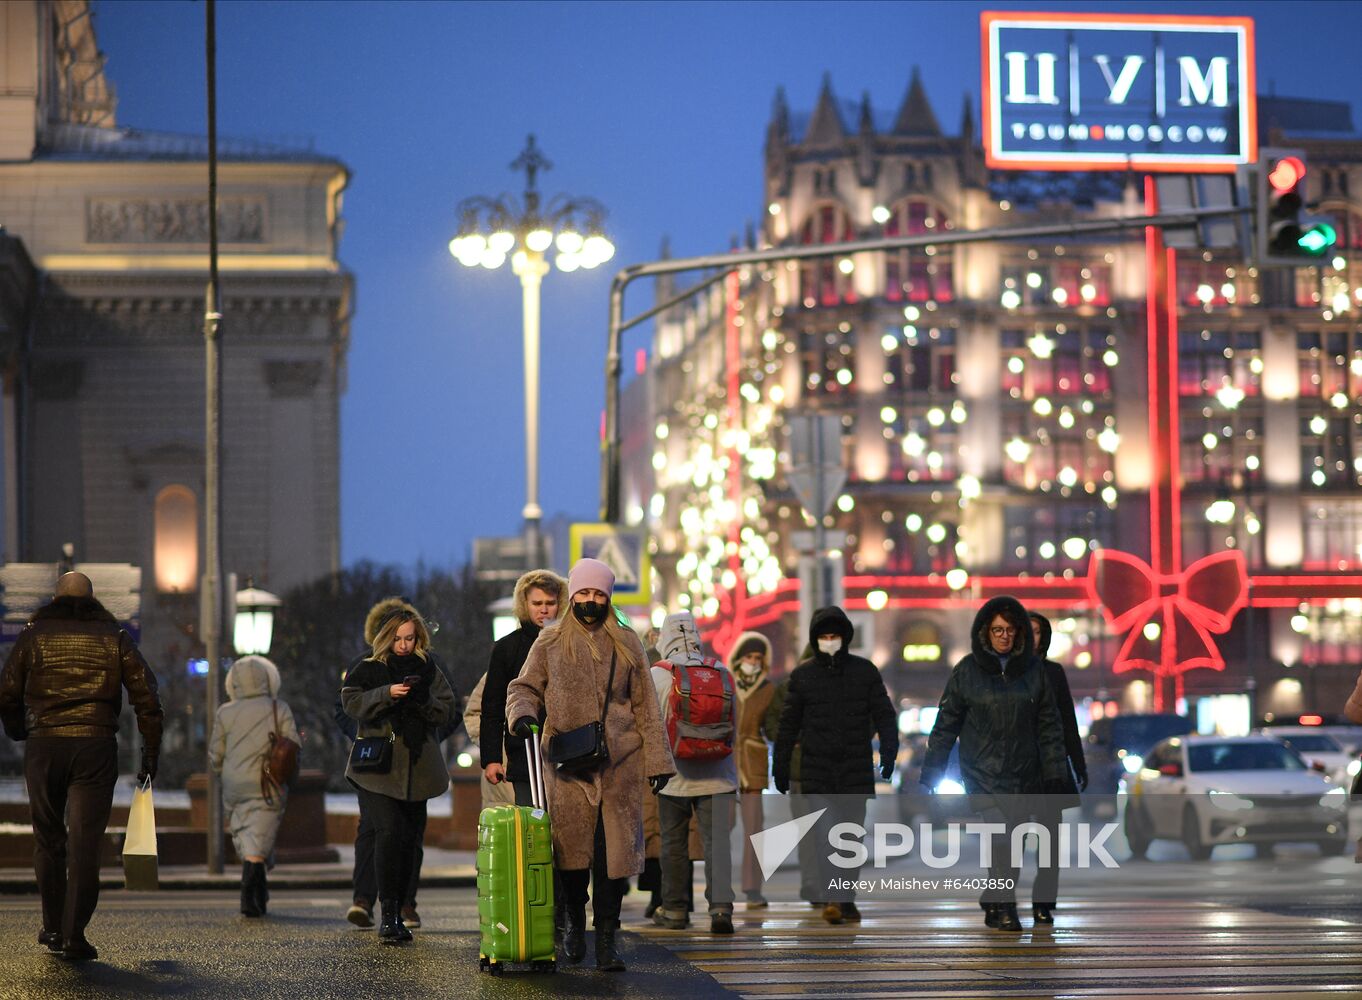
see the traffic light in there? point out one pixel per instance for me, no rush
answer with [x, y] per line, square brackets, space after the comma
[1286, 236]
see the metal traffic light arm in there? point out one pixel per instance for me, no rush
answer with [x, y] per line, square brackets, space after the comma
[727, 262]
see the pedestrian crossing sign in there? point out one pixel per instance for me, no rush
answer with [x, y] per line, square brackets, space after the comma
[624, 550]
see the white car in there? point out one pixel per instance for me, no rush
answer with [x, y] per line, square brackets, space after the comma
[1210, 790]
[1318, 747]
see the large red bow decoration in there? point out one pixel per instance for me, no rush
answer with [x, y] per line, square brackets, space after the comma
[1186, 607]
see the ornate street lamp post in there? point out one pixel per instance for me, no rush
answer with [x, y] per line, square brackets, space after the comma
[490, 230]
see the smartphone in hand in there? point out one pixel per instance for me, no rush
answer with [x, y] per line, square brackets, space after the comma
[411, 680]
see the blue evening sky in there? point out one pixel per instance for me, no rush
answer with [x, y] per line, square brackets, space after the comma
[657, 109]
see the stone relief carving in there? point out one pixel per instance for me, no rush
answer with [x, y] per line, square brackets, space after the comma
[173, 220]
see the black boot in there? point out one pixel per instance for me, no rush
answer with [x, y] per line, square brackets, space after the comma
[990, 914]
[250, 906]
[1008, 920]
[607, 958]
[391, 930]
[262, 891]
[1044, 913]
[574, 932]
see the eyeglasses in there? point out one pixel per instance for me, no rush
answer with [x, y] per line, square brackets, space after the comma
[1001, 632]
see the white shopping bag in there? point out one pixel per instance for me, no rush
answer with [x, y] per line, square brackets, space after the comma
[139, 843]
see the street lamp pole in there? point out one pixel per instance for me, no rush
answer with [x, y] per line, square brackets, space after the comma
[531, 268]
[526, 231]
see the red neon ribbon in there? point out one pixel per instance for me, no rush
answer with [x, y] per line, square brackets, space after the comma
[1187, 607]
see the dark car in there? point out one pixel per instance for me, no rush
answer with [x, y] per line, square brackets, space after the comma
[1116, 747]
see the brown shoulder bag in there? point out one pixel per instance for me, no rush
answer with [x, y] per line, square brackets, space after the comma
[280, 765]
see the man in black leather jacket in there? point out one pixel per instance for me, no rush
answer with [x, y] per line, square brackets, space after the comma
[62, 691]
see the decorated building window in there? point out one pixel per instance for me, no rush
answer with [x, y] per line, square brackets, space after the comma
[1065, 450]
[1220, 362]
[918, 275]
[1066, 284]
[1053, 538]
[1333, 535]
[826, 282]
[924, 360]
[829, 360]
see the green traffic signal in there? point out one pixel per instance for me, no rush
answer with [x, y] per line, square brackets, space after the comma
[1318, 239]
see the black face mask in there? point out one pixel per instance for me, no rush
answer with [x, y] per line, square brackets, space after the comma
[589, 612]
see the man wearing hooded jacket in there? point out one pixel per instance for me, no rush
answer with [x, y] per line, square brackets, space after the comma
[998, 703]
[833, 704]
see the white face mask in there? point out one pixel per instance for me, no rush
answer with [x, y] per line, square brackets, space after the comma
[829, 646]
[749, 669]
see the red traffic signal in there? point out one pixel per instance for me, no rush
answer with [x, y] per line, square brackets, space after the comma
[1285, 174]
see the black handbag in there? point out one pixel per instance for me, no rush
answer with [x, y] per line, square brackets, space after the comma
[582, 750]
[372, 755]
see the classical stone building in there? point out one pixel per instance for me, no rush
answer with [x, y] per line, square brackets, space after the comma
[103, 271]
[994, 403]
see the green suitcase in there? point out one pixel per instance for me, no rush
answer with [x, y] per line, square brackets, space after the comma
[515, 881]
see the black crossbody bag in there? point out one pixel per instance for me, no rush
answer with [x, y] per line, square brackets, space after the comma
[582, 750]
[372, 754]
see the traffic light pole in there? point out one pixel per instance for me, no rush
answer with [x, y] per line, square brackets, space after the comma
[728, 262]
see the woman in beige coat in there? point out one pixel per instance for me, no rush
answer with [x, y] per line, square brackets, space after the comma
[597, 816]
[241, 739]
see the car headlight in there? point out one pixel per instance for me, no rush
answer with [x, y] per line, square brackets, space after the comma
[1334, 798]
[1132, 762]
[1353, 767]
[950, 786]
[1228, 800]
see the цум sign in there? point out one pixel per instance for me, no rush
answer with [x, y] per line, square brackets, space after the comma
[1118, 92]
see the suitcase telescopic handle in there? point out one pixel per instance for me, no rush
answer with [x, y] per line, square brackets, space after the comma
[532, 751]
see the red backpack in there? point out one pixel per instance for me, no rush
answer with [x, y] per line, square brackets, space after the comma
[700, 717]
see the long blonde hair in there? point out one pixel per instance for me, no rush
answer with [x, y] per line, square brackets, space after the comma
[574, 636]
[387, 632]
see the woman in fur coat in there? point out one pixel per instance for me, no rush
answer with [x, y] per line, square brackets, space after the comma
[597, 816]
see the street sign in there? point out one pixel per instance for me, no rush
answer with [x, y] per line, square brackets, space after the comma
[624, 550]
[1118, 92]
[816, 473]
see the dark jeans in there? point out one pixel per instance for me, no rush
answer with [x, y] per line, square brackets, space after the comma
[70, 791]
[365, 880]
[714, 816]
[608, 892]
[398, 828]
[838, 809]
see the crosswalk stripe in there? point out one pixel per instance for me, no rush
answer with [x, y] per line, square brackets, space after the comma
[1098, 949]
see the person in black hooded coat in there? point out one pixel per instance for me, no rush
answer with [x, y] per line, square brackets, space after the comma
[999, 704]
[1045, 891]
[834, 703]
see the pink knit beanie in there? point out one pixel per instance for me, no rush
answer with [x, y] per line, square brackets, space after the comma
[591, 574]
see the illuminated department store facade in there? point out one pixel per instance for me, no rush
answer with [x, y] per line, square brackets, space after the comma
[994, 401]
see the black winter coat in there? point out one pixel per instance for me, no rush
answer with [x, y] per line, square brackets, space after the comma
[1011, 740]
[508, 656]
[1064, 701]
[834, 705]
